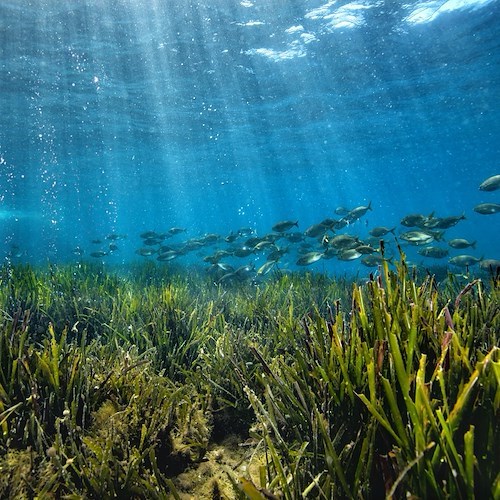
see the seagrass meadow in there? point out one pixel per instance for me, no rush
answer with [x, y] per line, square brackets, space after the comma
[157, 383]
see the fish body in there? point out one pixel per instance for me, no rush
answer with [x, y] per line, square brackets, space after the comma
[166, 256]
[447, 222]
[487, 208]
[148, 234]
[342, 211]
[329, 223]
[244, 271]
[151, 242]
[309, 258]
[176, 230]
[330, 252]
[295, 237]
[349, 254]
[358, 212]
[231, 237]
[379, 231]
[266, 267]
[220, 268]
[464, 260]
[276, 254]
[372, 260]
[98, 254]
[366, 249]
[490, 184]
[212, 259]
[145, 252]
[285, 225]
[209, 239]
[490, 264]
[344, 241]
[193, 244]
[433, 252]
[340, 224]
[263, 244]
[460, 243]
[243, 251]
[240, 274]
[253, 241]
[315, 230]
[414, 220]
[420, 237]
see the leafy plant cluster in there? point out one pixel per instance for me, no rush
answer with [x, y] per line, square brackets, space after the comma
[114, 384]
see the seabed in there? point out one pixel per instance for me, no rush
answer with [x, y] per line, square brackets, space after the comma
[158, 383]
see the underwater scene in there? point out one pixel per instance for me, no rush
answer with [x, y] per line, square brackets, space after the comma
[249, 249]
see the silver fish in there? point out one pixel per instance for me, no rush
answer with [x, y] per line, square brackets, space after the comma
[329, 223]
[414, 220]
[263, 244]
[372, 260]
[487, 208]
[166, 256]
[381, 231]
[243, 251]
[285, 225]
[176, 230]
[349, 254]
[145, 252]
[151, 242]
[252, 242]
[366, 249]
[98, 254]
[447, 222]
[487, 264]
[266, 267]
[342, 211]
[420, 237]
[358, 212]
[209, 238]
[433, 252]
[276, 254]
[294, 237]
[491, 183]
[148, 234]
[221, 267]
[315, 230]
[464, 260]
[309, 258]
[460, 243]
[344, 241]
[231, 237]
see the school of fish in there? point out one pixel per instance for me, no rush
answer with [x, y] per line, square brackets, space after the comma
[286, 245]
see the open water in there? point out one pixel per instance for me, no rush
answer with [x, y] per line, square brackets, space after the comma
[122, 116]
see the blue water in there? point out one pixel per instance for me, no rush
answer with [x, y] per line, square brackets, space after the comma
[131, 115]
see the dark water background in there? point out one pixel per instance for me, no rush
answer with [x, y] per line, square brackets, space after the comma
[127, 115]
